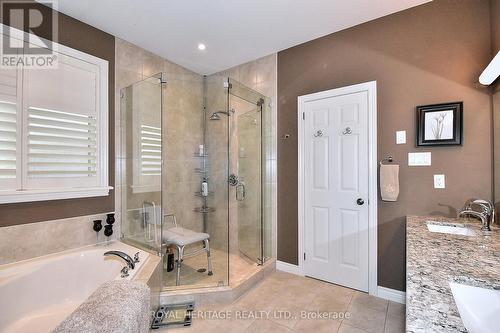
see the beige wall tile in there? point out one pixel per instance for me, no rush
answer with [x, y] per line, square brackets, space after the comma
[32, 240]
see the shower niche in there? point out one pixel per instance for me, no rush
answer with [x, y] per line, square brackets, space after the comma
[194, 177]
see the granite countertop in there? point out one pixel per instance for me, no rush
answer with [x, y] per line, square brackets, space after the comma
[435, 259]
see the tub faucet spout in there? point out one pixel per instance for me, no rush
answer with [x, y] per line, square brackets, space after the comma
[130, 262]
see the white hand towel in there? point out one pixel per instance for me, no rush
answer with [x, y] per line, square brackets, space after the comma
[389, 182]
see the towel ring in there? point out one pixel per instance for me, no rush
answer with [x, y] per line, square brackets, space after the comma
[388, 159]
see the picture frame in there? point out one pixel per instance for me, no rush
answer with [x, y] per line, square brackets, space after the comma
[440, 124]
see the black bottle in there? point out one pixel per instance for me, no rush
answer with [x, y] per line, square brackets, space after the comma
[108, 230]
[110, 218]
[97, 225]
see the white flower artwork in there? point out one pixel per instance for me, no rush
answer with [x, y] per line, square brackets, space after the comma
[439, 125]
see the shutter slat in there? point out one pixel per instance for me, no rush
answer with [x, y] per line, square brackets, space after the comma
[61, 148]
[68, 164]
[56, 140]
[61, 116]
[44, 123]
[58, 133]
[150, 158]
[57, 156]
[59, 174]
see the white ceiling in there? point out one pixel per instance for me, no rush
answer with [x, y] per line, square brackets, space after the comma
[234, 31]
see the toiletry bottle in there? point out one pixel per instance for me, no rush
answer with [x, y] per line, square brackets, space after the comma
[204, 188]
[170, 259]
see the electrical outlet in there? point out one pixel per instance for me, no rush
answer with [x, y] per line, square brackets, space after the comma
[439, 181]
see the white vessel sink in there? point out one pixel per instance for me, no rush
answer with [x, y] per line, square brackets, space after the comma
[450, 228]
[479, 307]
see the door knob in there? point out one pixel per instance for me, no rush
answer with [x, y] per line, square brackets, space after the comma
[360, 202]
[318, 134]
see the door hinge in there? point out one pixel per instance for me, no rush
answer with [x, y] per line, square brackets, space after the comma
[303, 116]
[304, 256]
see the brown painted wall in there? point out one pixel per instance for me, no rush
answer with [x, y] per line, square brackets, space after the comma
[495, 26]
[88, 39]
[495, 47]
[429, 54]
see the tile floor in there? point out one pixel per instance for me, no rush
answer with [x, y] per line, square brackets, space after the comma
[297, 298]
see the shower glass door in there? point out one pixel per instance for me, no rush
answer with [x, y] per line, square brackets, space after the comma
[248, 191]
[141, 163]
[246, 148]
[140, 170]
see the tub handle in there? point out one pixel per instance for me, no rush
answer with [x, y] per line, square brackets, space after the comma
[136, 257]
[124, 272]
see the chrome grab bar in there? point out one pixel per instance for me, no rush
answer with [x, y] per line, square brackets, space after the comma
[240, 188]
[151, 234]
[173, 216]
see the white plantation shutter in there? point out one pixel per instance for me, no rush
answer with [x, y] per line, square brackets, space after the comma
[8, 143]
[54, 129]
[150, 151]
[62, 133]
[9, 128]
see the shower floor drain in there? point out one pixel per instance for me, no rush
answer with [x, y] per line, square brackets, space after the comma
[173, 315]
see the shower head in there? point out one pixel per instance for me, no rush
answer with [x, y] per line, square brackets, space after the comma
[215, 116]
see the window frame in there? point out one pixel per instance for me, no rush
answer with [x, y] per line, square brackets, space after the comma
[56, 193]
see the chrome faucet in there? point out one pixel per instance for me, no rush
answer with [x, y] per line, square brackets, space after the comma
[130, 262]
[482, 209]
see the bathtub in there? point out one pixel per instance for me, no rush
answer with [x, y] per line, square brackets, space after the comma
[37, 294]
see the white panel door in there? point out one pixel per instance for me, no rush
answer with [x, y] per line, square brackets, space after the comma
[336, 189]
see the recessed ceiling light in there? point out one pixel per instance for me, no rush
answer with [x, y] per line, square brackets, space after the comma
[202, 47]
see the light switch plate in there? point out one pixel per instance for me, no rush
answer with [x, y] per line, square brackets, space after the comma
[439, 181]
[419, 159]
[400, 137]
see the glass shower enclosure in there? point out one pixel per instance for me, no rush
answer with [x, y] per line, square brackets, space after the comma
[192, 162]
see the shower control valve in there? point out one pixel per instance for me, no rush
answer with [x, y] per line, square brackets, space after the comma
[233, 180]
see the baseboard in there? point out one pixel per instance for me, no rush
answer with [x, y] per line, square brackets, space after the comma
[391, 294]
[286, 267]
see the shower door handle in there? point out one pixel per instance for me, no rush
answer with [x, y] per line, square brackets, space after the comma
[240, 191]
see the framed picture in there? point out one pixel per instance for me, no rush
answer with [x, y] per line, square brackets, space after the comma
[440, 124]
